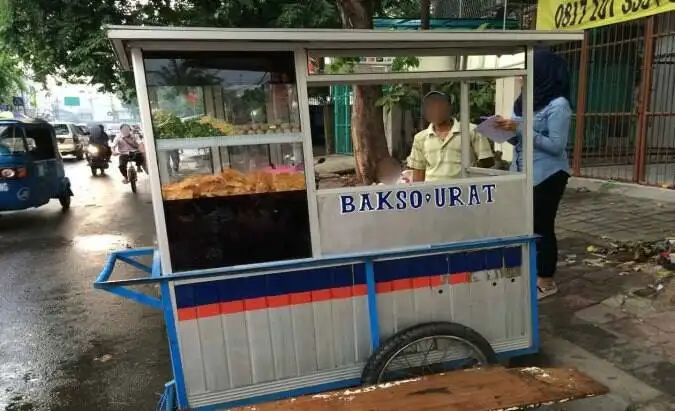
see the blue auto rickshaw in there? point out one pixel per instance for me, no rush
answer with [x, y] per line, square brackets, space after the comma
[31, 168]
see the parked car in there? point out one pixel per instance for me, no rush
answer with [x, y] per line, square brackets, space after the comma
[72, 139]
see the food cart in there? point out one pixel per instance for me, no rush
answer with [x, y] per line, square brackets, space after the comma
[273, 288]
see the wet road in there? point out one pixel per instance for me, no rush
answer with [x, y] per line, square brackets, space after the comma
[63, 345]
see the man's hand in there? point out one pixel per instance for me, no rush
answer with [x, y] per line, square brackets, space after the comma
[506, 124]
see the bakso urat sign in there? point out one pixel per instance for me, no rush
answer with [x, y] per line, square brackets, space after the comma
[415, 199]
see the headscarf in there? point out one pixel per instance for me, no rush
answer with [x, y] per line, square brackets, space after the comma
[96, 134]
[551, 80]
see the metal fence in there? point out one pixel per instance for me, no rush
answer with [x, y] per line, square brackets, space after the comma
[624, 78]
[623, 90]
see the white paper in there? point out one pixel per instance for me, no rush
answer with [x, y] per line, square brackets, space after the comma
[489, 129]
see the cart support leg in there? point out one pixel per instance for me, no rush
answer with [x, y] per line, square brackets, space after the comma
[532, 257]
[180, 395]
[372, 305]
[169, 396]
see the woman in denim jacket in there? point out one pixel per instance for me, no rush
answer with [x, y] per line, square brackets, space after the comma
[552, 115]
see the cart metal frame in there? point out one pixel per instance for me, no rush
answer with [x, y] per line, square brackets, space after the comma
[501, 246]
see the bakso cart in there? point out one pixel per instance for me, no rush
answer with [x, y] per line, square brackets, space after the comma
[273, 288]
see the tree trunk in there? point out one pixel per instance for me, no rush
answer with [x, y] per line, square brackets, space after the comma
[368, 137]
[425, 14]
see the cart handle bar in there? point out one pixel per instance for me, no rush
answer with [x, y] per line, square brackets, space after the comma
[129, 257]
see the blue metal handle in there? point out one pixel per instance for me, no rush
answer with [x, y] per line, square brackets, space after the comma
[129, 257]
[108, 268]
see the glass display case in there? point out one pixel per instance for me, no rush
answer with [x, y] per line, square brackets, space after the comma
[229, 152]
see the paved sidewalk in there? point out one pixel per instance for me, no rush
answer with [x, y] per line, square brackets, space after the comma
[614, 303]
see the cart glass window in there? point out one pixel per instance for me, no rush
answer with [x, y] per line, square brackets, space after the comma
[229, 149]
[11, 140]
[40, 141]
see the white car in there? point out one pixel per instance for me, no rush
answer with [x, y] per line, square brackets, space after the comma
[72, 139]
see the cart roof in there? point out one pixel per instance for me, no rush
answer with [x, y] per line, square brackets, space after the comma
[329, 42]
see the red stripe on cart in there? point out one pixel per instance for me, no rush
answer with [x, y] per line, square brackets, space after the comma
[460, 278]
[277, 301]
[331, 294]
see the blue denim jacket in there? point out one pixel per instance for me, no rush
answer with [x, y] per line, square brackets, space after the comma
[551, 130]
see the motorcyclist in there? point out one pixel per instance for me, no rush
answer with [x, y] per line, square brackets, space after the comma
[100, 139]
[130, 148]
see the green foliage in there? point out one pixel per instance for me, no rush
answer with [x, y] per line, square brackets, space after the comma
[342, 65]
[399, 95]
[404, 63]
[168, 125]
[398, 9]
[11, 75]
[481, 97]
[404, 96]
[67, 38]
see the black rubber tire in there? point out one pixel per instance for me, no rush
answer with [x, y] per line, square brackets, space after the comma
[379, 359]
[133, 185]
[93, 171]
[79, 155]
[64, 200]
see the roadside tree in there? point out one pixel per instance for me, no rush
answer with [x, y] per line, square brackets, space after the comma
[65, 38]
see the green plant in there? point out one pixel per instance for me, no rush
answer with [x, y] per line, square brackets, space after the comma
[481, 97]
[404, 96]
[343, 65]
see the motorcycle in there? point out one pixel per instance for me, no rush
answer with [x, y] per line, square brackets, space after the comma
[135, 165]
[97, 158]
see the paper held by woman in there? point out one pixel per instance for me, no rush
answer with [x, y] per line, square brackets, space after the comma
[488, 128]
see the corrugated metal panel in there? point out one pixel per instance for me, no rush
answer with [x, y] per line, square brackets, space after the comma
[240, 336]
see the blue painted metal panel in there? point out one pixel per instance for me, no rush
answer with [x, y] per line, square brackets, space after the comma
[174, 350]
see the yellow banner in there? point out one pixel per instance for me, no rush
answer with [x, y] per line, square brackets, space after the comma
[586, 14]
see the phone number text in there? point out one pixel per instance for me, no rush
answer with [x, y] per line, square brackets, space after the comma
[579, 12]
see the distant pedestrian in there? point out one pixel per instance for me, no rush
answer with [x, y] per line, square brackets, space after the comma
[173, 162]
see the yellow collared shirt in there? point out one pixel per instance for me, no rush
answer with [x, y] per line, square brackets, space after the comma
[441, 158]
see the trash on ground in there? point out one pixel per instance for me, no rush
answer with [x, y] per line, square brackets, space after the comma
[104, 358]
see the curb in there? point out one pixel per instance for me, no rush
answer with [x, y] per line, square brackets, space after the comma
[619, 188]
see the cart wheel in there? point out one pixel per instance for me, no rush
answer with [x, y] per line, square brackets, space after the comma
[93, 171]
[133, 185]
[65, 202]
[426, 349]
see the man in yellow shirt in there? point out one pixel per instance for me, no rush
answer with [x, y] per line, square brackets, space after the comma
[437, 151]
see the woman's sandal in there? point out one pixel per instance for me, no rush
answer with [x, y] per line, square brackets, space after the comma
[543, 292]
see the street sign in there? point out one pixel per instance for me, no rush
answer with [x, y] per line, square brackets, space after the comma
[17, 101]
[71, 101]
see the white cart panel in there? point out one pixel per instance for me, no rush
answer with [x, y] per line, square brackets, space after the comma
[243, 337]
[377, 218]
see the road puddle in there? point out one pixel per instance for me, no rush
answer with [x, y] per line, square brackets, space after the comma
[100, 242]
